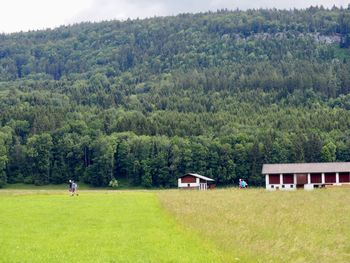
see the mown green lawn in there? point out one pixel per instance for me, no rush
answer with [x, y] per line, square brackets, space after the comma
[94, 227]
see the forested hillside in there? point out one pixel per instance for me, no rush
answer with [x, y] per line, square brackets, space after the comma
[148, 100]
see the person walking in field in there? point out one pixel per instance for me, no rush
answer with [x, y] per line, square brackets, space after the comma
[244, 184]
[70, 186]
[240, 183]
[74, 188]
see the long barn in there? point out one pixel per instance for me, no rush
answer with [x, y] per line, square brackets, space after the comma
[305, 175]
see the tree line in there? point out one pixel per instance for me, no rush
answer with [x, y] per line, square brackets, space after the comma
[145, 101]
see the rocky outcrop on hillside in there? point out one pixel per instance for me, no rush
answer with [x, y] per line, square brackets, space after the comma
[317, 37]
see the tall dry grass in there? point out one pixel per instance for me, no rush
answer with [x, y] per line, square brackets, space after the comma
[259, 226]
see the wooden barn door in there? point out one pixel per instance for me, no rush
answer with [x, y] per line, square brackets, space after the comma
[301, 180]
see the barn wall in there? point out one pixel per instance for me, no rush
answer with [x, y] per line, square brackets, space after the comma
[288, 179]
[305, 180]
[282, 187]
[330, 178]
[344, 177]
[188, 179]
[274, 179]
[189, 183]
[316, 178]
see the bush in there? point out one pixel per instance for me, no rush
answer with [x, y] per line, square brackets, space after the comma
[16, 177]
[113, 183]
[28, 180]
[38, 182]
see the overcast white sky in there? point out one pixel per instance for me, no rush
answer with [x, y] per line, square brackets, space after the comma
[24, 15]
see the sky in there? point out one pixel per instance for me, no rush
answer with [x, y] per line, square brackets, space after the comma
[24, 15]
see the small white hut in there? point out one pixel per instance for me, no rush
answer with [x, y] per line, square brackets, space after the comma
[195, 181]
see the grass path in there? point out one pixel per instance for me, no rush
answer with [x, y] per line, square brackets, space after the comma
[94, 227]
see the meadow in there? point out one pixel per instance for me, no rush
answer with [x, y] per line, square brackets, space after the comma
[228, 225]
[96, 226]
[259, 226]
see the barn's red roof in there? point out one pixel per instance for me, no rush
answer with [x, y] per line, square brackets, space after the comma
[306, 168]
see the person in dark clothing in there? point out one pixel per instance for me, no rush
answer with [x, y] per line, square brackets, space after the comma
[70, 185]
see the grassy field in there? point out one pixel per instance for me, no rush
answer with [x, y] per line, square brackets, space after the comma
[50, 226]
[260, 226]
[228, 225]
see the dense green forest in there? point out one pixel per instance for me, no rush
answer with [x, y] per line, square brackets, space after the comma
[217, 93]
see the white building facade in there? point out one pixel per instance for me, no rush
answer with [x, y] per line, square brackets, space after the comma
[194, 181]
[305, 175]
